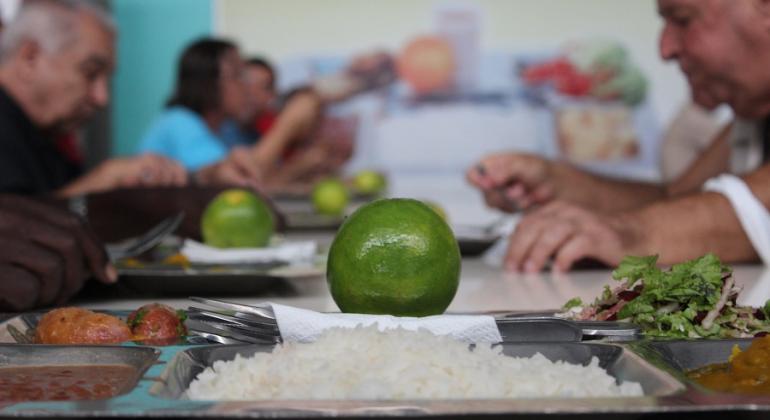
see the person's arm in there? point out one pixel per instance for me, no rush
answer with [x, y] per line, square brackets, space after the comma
[364, 72]
[688, 227]
[140, 171]
[678, 229]
[237, 169]
[328, 149]
[46, 254]
[515, 181]
[622, 195]
[713, 161]
[297, 120]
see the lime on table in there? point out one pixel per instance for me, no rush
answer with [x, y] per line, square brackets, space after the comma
[237, 218]
[394, 256]
[369, 182]
[438, 209]
[330, 197]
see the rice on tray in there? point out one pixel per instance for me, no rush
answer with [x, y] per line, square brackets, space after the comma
[366, 364]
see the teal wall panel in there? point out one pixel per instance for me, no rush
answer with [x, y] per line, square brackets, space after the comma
[152, 34]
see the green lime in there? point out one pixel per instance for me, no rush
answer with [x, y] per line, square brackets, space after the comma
[237, 219]
[330, 197]
[438, 209]
[394, 256]
[369, 182]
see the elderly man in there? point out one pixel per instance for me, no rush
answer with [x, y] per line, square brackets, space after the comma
[56, 59]
[723, 47]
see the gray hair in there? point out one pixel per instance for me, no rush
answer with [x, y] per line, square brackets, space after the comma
[52, 24]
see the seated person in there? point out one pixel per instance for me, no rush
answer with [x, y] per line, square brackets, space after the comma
[55, 63]
[259, 85]
[56, 59]
[328, 143]
[210, 93]
[209, 115]
[578, 215]
[47, 254]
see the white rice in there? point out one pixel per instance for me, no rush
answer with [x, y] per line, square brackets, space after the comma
[364, 363]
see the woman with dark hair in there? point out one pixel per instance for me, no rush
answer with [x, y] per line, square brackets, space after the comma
[211, 96]
[208, 92]
[214, 98]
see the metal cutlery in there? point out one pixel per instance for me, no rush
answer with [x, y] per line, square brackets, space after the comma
[138, 244]
[257, 324]
[260, 311]
[20, 336]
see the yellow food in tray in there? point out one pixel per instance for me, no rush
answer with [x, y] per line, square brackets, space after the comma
[746, 372]
[177, 259]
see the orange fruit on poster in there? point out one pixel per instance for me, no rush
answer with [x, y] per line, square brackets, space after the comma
[427, 64]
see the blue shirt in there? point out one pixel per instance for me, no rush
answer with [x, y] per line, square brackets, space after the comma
[232, 135]
[181, 134]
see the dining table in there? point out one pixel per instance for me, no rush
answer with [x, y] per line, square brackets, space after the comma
[484, 287]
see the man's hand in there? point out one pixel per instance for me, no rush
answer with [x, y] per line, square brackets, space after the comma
[146, 170]
[568, 233]
[238, 169]
[513, 181]
[46, 254]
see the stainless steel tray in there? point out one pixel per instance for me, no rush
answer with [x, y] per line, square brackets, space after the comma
[137, 358]
[212, 279]
[171, 280]
[299, 214]
[685, 355]
[645, 362]
[475, 240]
[681, 356]
[26, 323]
[622, 364]
[309, 220]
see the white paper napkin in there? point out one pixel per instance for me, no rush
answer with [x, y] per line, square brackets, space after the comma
[289, 252]
[305, 326]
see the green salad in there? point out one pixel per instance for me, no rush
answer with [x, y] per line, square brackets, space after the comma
[693, 299]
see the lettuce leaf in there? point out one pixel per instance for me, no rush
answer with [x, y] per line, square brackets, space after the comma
[670, 301]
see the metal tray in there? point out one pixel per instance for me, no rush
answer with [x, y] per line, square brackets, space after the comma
[623, 365]
[26, 323]
[138, 358]
[309, 220]
[685, 355]
[299, 214]
[212, 279]
[640, 361]
[680, 356]
[475, 240]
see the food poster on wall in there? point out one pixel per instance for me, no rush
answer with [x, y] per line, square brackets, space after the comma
[437, 98]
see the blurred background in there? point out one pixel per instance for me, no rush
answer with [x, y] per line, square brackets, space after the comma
[580, 81]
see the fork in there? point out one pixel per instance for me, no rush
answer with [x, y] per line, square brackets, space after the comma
[20, 336]
[138, 244]
[257, 324]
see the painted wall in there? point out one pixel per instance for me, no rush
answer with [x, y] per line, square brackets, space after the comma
[283, 29]
[152, 34]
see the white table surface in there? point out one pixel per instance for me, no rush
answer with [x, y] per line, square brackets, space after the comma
[482, 288]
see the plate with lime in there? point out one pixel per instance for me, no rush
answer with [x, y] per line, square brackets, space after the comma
[241, 253]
